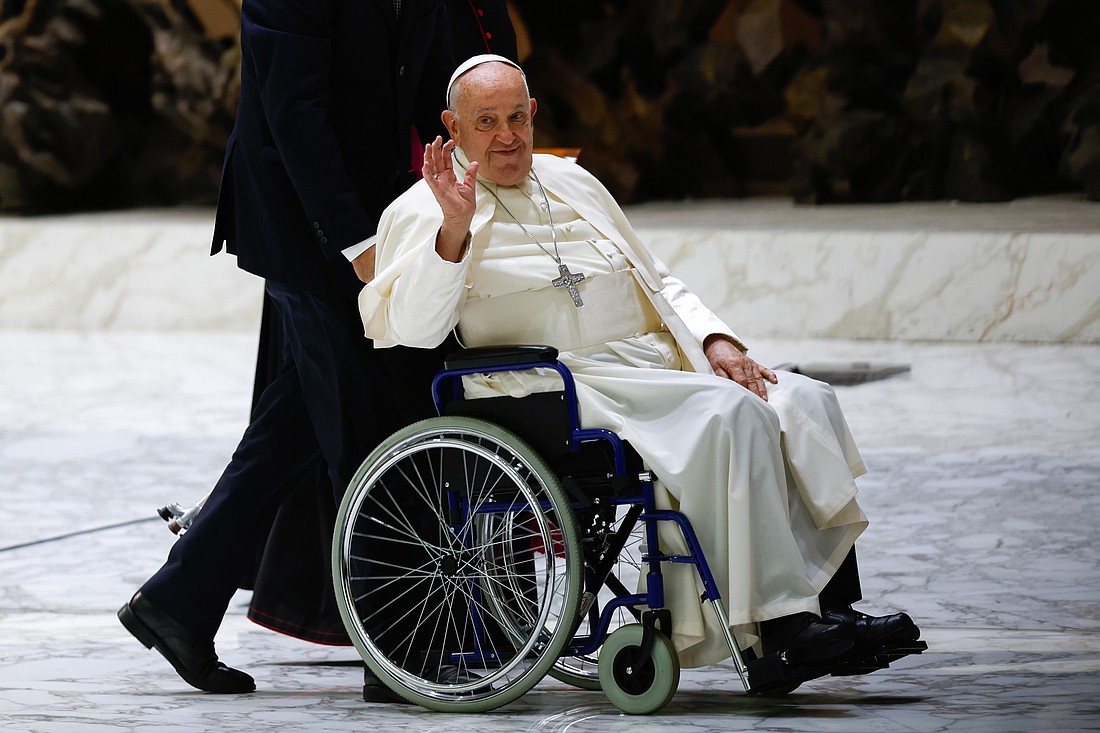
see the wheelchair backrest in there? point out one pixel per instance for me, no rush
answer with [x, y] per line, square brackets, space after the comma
[589, 462]
[541, 420]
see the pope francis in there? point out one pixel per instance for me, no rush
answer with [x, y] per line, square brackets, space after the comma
[504, 246]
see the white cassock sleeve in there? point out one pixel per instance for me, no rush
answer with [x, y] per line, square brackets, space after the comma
[699, 319]
[416, 295]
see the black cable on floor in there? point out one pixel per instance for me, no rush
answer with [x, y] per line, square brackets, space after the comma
[78, 533]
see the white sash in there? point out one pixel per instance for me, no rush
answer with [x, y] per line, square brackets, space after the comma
[614, 308]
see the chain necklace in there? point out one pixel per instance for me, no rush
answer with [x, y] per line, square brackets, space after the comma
[565, 279]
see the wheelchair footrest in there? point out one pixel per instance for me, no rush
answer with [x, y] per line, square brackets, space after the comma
[880, 658]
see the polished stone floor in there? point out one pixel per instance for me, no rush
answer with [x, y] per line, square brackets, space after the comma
[983, 491]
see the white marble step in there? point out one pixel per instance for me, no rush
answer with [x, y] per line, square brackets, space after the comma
[1027, 270]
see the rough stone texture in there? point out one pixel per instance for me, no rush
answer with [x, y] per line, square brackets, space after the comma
[123, 102]
[979, 100]
[107, 103]
[656, 93]
[831, 100]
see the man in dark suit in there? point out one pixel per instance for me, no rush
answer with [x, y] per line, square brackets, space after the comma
[330, 90]
[292, 593]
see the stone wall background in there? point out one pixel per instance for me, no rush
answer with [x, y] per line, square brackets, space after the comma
[826, 100]
[113, 103]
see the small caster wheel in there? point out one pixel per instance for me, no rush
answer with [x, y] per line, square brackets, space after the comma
[638, 688]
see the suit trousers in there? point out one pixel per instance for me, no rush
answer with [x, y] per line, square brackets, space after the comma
[331, 399]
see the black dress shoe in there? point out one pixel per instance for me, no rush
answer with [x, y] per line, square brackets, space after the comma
[447, 674]
[193, 658]
[873, 632]
[375, 691]
[803, 639]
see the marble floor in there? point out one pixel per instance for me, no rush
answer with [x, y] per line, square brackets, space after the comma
[984, 495]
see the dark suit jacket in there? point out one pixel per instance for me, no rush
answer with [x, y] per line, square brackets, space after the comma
[330, 91]
[292, 588]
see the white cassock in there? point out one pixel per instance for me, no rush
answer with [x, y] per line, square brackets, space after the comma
[768, 486]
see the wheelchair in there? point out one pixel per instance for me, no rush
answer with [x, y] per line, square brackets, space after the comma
[502, 541]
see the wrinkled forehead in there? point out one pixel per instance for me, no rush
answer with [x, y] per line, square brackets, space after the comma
[493, 91]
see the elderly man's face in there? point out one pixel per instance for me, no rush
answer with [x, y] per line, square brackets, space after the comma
[493, 122]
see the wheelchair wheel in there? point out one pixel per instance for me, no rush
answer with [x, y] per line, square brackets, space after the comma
[456, 548]
[582, 671]
[638, 687]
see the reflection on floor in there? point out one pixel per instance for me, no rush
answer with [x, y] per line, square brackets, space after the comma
[984, 467]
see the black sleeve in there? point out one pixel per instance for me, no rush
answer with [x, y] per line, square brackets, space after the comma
[288, 46]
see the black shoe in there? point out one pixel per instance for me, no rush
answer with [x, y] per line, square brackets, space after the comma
[447, 674]
[804, 639]
[193, 658]
[375, 691]
[873, 632]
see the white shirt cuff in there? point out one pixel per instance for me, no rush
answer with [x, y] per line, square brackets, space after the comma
[357, 249]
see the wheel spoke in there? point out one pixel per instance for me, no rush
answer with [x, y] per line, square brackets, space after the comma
[446, 522]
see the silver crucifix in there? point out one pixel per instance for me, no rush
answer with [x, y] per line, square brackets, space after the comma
[569, 281]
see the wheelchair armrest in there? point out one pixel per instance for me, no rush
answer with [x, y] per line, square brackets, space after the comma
[498, 357]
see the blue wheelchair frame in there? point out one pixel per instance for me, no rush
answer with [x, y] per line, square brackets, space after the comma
[447, 386]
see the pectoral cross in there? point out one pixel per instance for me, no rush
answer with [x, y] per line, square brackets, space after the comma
[569, 280]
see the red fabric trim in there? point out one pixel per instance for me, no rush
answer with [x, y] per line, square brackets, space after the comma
[477, 17]
[326, 638]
